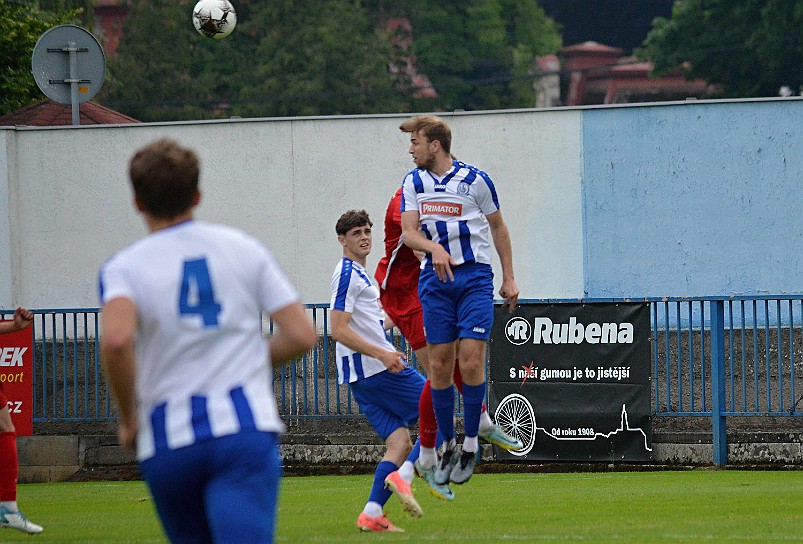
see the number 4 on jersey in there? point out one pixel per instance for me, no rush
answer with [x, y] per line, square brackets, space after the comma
[197, 297]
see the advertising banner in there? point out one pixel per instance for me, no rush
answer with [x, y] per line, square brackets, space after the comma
[16, 377]
[572, 381]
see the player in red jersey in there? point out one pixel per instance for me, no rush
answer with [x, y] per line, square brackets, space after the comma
[10, 515]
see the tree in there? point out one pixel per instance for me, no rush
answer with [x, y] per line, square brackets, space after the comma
[313, 65]
[480, 54]
[21, 25]
[166, 71]
[282, 59]
[747, 47]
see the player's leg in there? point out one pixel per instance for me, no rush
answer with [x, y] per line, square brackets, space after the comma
[10, 515]
[401, 397]
[440, 320]
[443, 404]
[411, 326]
[489, 431]
[242, 494]
[177, 479]
[474, 321]
[375, 396]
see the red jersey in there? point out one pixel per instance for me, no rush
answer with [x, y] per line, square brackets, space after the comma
[397, 272]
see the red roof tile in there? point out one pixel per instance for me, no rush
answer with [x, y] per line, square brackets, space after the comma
[47, 113]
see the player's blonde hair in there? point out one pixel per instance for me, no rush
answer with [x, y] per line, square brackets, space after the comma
[431, 126]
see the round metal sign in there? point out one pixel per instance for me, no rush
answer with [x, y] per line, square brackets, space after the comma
[68, 55]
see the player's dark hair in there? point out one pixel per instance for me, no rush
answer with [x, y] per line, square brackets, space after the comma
[164, 176]
[431, 126]
[352, 219]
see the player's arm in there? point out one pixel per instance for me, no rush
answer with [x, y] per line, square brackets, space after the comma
[415, 240]
[295, 334]
[22, 318]
[119, 321]
[509, 291]
[341, 332]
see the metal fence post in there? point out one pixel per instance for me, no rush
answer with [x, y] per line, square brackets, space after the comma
[718, 401]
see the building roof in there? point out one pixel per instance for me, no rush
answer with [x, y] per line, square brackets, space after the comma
[599, 74]
[47, 113]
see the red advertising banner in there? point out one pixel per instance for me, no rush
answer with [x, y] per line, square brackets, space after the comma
[16, 377]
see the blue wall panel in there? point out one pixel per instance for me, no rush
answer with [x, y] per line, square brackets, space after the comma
[693, 199]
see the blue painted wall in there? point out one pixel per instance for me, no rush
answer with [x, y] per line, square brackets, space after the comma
[693, 199]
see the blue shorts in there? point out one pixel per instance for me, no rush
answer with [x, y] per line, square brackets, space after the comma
[463, 308]
[388, 400]
[223, 489]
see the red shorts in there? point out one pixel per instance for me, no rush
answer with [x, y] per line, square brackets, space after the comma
[411, 326]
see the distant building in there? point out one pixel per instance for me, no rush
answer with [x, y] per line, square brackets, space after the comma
[547, 84]
[403, 65]
[109, 24]
[599, 74]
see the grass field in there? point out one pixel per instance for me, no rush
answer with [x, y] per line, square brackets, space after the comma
[620, 507]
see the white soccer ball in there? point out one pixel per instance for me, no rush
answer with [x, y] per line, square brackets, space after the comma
[214, 18]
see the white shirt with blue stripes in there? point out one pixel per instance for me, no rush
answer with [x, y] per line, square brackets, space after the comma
[452, 210]
[355, 291]
[203, 366]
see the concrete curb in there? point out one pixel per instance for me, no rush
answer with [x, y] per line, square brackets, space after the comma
[98, 457]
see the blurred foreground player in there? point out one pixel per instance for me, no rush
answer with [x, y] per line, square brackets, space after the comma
[187, 362]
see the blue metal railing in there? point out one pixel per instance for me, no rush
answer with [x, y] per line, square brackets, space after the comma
[713, 357]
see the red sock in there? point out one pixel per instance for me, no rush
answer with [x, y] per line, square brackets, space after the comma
[458, 382]
[9, 466]
[427, 426]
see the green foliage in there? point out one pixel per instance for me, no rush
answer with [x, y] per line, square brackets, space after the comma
[165, 70]
[746, 47]
[307, 64]
[21, 25]
[283, 59]
[286, 59]
[480, 54]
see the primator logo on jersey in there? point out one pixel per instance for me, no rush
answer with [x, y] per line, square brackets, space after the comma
[442, 208]
[544, 331]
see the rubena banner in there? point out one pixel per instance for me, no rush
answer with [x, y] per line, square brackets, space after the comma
[572, 381]
[16, 377]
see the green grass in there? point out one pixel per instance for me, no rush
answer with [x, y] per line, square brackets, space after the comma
[618, 507]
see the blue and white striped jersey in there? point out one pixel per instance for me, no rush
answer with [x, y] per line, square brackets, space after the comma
[452, 210]
[356, 292]
[203, 366]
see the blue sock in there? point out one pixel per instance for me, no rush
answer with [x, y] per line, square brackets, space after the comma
[414, 452]
[473, 397]
[379, 494]
[443, 403]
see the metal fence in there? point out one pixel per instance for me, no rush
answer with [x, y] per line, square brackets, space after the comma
[712, 356]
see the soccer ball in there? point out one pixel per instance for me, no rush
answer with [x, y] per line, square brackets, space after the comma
[214, 18]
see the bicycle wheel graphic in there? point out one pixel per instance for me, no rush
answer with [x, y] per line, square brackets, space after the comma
[515, 414]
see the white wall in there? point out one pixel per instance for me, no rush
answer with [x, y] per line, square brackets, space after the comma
[286, 181]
